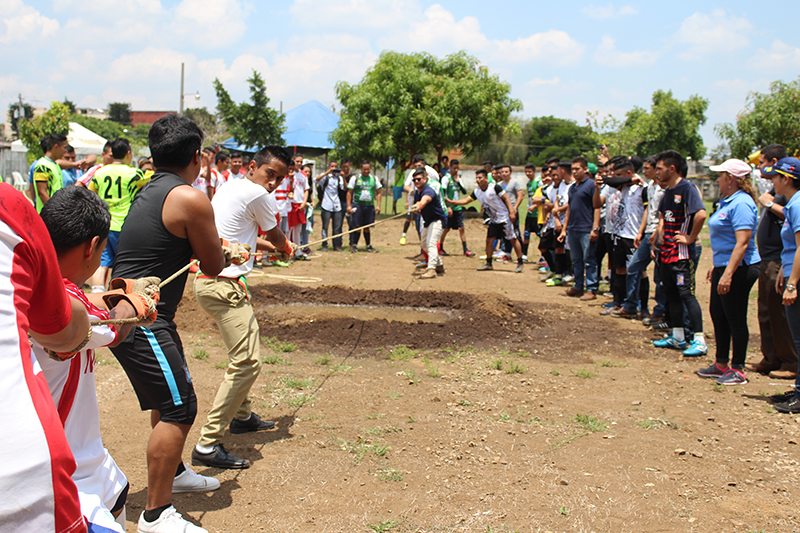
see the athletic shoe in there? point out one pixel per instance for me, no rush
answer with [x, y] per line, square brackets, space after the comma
[353, 249]
[219, 458]
[732, 377]
[499, 254]
[713, 371]
[440, 269]
[337, 248]
[170, 521]
[547, 276]
[403, 240]
[485, 267]
[469, 254]
[609, 305]
[482, 258]
[781, 398]
[555, 282]
[525, 259]
[670, 342]
[423, 264]
[443, 253]
[504, 259]
[307, 250]
[372, 250]
[653, 319]
[609, 310]
[696, 349]
[792, 405]
[191, 481]
[254, 423]
[429, 274]
[544, 269]
[569, 279]
[300, 257]
[623, 313]
[518, 269]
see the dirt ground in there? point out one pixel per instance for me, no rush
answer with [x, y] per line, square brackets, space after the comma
[518, 410]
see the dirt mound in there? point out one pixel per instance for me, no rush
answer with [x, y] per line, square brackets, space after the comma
[478, 321]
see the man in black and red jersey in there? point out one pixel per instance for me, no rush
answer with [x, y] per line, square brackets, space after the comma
[681, 217]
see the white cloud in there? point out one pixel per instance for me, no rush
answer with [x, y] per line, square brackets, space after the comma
[608, 12]
[779, 57]
[713, 33]
[366, 15]
[553, 46]
[537, 82]
[608, 55]
[21, 22]
[210, 23]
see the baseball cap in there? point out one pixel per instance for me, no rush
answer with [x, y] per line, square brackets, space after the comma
[788, 166]
[592, 168]
[736, 167]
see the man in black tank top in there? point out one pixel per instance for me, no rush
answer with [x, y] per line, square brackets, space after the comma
[168, 223]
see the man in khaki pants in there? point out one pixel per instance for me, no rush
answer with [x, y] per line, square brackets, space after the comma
[241, 207]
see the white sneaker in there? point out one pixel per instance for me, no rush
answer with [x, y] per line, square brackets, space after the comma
[191, 481]
[170, 521]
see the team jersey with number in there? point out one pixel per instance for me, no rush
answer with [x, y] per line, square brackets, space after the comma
[36, 488]
[678, 207]
[72, 386]
[45, 170]
[117, 184]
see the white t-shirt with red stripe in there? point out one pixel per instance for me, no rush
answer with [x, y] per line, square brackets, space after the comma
[72, 385]
[37, 492]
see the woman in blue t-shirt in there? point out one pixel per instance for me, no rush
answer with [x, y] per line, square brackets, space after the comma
[736, 265]
[786, 180]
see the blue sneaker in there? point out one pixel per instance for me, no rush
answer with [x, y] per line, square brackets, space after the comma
[696, 349]
[609, 305]
[732, 377]
[670, 342]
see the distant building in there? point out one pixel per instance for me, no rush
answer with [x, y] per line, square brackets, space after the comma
[101, 114]
[147, 117]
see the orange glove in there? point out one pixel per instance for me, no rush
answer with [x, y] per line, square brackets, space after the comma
[147, 286]
[235, 254]
[289, 248]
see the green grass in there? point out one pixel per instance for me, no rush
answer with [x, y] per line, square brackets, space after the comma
[411, 375]
[584, 373]
[432, 368]
[411, 419]
[589, 423]
[612, 364]
[496, 364]
[279, 346]
[300, 400]
[275, 359]
[291, 382]
[323, 360]
[503, 417]
[402, 353]
[221, 364]
[383, 527]
[375, 416]
[563, 511]
[515, 368]
[201, 355]
[555, 372]
[390, 474]
[342, 369]
[394, 395]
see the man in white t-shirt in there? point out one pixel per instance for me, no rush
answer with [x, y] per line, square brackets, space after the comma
[240, 209]
[298, 202]
[218, 171]
[236, 171]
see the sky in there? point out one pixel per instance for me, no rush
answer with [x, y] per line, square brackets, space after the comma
[562, 58]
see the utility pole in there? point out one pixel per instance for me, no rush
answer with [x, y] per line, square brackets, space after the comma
[180, 107]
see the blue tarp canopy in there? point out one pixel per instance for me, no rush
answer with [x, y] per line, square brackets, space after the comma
[307, 126]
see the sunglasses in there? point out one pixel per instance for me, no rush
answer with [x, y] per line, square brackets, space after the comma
[416, 179]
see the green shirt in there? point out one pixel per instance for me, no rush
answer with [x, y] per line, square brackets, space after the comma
[452, 192]
[46, 170]
[533, 186]
[117, 184]
[364, 189]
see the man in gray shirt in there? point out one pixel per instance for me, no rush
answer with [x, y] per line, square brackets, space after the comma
[516, 193]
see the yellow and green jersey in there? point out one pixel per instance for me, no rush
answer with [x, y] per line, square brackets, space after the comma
[117, 184]
[46, 170]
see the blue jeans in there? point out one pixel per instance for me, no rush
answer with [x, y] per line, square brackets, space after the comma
[338, 218]
[638, 263]
[582, 250]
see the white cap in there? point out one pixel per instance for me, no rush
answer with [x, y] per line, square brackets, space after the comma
[735, 167]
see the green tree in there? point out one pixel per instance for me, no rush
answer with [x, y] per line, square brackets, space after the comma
[557, 137]
[70, 105]
[670, 124]
[13, 111]
[119, 112]
[108, 129]
[32, 131]
[772, 117]
[211, 124]
[252, 124]
[409, 104]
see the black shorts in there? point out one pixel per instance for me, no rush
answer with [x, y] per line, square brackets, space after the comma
[456, 220]
[365, 214]
[156, 367]
[679, 275]
[548, 239]
[532, 226]
[623, 251]
[501, 231]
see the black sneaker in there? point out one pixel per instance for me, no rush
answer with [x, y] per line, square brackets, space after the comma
[254, 423]
[781, 398]
[353, 249]
[444, 253]
[372, 250]
[219, 458]
[792, 405]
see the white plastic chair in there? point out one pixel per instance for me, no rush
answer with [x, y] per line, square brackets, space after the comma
[19, 183]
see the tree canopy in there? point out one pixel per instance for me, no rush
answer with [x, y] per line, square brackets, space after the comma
[409, 104]
[670, 124]
[211, 123]
[768, 118]
[32, 131]
[108, 129]
[120, 113]
[13, 111]
[252, 124]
